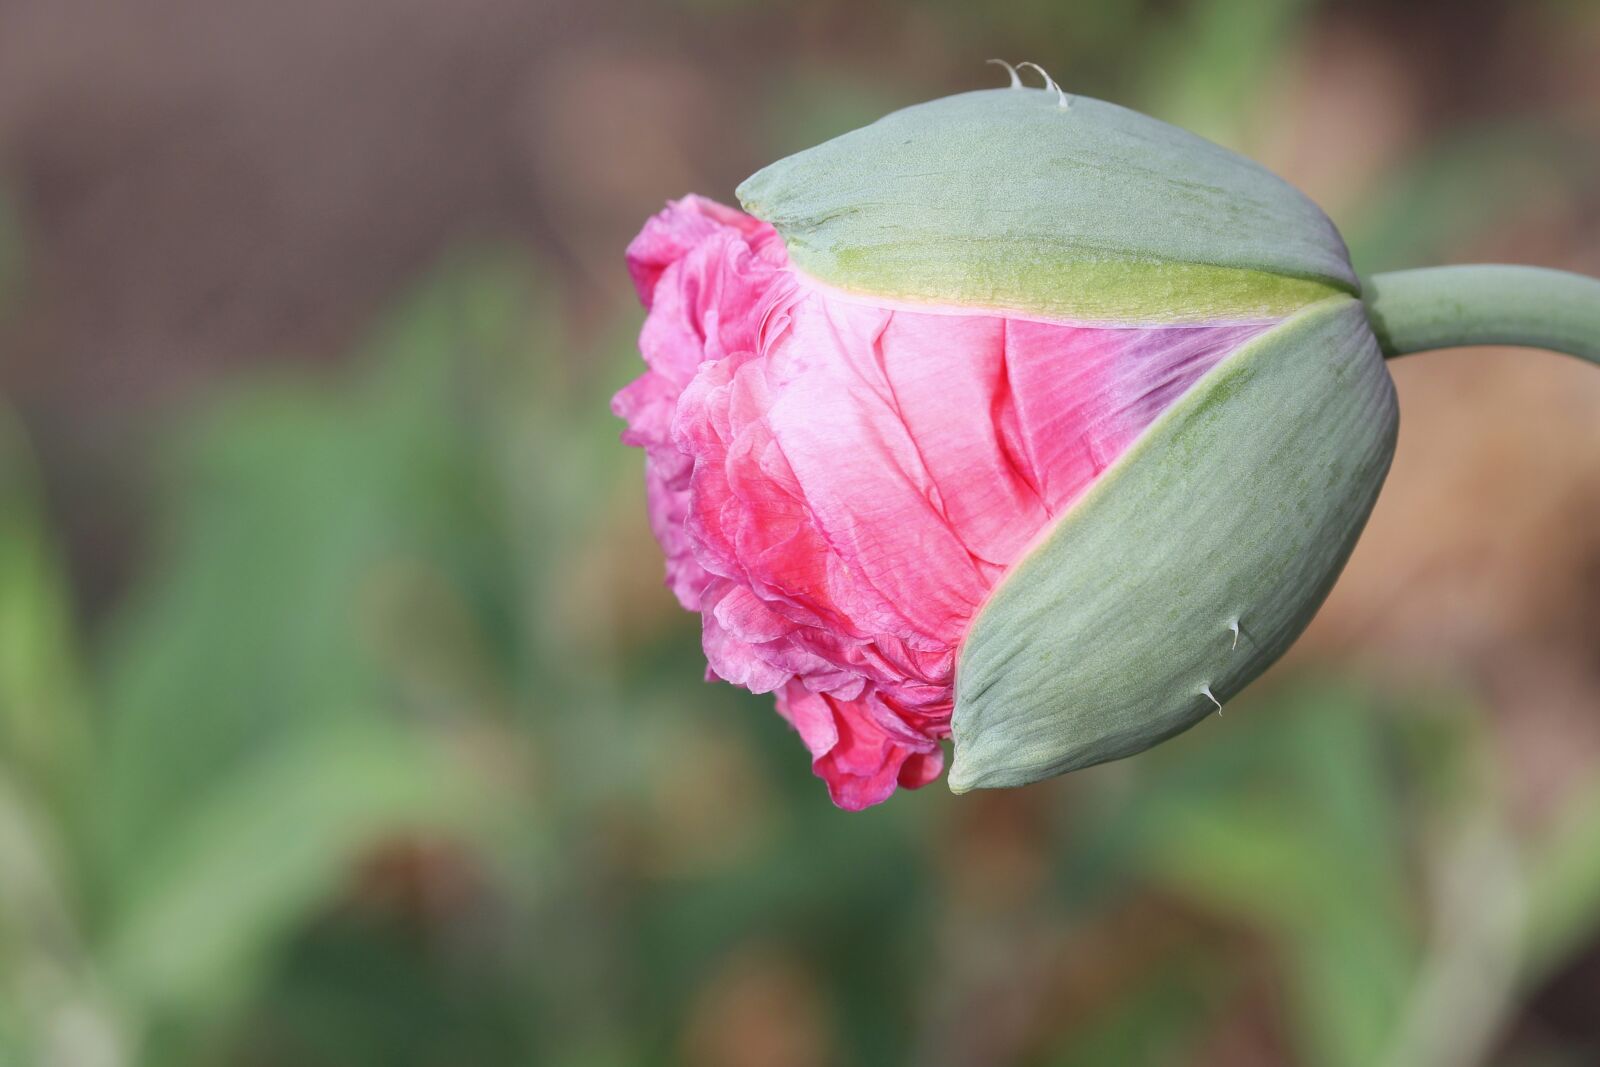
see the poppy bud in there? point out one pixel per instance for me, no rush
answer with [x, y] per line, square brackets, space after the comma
[1013, 417]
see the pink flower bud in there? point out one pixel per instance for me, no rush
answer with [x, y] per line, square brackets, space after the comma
[838, 483]
[1028, 421]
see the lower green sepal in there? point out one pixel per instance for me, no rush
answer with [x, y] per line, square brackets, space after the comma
[1190, 566]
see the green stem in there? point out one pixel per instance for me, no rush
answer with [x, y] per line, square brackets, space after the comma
[1488, 304]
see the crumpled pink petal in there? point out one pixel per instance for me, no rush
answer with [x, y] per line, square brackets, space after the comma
[700, 269]
[838, 484]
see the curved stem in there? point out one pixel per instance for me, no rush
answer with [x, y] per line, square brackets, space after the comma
[1487, 304]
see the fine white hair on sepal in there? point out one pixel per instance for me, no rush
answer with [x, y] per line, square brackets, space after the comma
[1205, 691]
[1016, 79]
[1063, 101]
[1233, 624]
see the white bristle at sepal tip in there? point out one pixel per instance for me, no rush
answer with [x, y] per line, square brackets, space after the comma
[1016, 79]
[1063, 101]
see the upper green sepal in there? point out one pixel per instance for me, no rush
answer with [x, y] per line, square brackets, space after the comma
[1189, 566]
[1003, 199]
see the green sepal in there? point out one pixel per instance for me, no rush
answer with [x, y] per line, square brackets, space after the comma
[1002, 199]
[1240, 504]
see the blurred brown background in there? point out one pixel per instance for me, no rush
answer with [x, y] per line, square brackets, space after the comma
[205, 208]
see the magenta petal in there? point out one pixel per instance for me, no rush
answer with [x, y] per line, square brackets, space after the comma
[668, 507]
[860, 764]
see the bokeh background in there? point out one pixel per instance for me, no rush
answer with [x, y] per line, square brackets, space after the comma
[344, 719]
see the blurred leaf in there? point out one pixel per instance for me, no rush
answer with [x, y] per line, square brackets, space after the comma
[44, 734]
[1155, 1023]
[1564, 887]
[1424, 211]
[277, 687]
[52, 1012]
[1293, 830]
[292, 508]
[1205, 68]
[34, 898]
[268, 845]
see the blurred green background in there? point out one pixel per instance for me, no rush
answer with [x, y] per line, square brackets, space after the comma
[344, 719]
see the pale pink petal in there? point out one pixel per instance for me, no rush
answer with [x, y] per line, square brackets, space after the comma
[903, 570]
[732, 656]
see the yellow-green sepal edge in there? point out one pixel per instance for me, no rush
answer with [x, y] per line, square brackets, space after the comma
[1003, 199]
[1238, 507]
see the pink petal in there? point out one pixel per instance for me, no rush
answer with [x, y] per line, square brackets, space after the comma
[1083, 395]
[673, 233]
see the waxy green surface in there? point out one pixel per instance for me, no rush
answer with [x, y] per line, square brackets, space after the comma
[1240, 505]
[1002, 199]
